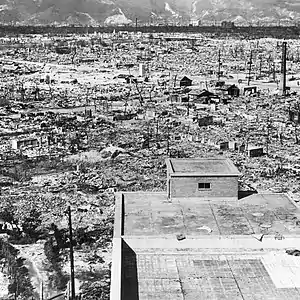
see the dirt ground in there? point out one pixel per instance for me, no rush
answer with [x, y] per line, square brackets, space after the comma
[3, 285]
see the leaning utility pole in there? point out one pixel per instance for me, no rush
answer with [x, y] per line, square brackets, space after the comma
[71, 256]
[250, 68]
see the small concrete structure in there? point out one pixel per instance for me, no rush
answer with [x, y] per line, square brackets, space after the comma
[185, 81]
[249, 90]
[255, 151]
[26, 142]
[224, 145]
[233, 145]
[231, 90]
[202, 178]
[142, 70]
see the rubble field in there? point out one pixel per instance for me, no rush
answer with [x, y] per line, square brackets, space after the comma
[85, 116]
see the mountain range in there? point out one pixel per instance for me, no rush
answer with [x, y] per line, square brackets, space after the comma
[99, 12]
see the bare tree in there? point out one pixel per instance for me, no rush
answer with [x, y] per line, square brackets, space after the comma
[73, 55]
[36, 92]
[295, 124]
[140, 89]
[22, 90]
[151, 91]
[50, 90]
[126, 99]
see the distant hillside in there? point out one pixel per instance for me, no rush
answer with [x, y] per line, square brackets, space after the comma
[94, 12]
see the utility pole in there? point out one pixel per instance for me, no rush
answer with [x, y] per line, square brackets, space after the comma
[175, 78]
[250, 67]
[72, 279]
[268, 135]
[283, 69]
[219, 65]
[15, 277]
[157, 130]
[42, 291]
[168, 142]
[136, 25]
[148, 135]
[260, 66]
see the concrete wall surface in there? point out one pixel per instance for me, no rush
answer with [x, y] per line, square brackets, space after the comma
[188, 187]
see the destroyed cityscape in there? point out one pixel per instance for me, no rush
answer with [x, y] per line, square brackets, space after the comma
[105, 132]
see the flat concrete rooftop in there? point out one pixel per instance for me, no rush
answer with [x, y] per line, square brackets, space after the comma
[233, 250]
[196, 276]
[151, 214]
[202, 166]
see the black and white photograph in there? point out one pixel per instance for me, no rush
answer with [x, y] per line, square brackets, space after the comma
[149, 149]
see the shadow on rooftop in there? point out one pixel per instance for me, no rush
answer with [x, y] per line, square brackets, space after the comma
[130, 290]
[244, 194]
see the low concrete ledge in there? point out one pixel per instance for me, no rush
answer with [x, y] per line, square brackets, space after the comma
[214, 242]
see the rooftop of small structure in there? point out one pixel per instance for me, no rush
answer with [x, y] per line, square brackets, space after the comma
[202, 167]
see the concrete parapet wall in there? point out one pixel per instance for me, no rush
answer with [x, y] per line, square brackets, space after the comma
[119, 215]
[214, 242]
[116, 270]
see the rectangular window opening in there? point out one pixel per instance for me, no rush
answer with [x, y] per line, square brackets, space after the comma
[204, 186]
